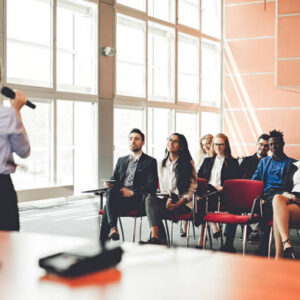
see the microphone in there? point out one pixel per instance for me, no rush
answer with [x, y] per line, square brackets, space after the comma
[9, 93]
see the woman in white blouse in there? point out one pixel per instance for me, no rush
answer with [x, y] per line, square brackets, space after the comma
[178, 179]
[286, 210]
[216, 169]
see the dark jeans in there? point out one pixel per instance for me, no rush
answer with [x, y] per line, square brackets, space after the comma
[267, 216]
[115, 206]
[156, 211]
[9, 213]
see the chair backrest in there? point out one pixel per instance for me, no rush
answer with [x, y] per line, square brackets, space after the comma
[239, 194]
[202, 185]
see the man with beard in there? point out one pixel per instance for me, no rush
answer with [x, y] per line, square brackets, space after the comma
[271, 170]
[134, 177]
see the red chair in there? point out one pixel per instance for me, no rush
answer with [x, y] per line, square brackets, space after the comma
[190, 216]
[133, 214]
[241, 196]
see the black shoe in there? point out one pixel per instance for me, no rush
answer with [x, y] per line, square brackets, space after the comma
[289, 253]
[183, 234]
[114, 235]
[228, 249]
[217, 234]
[151, 241]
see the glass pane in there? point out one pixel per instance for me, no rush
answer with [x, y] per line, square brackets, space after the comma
[65, 143]
[136, 4]
[35, 171]
[29, 55]
[161, 62]
[77, 46]
[160, 123]
[211, 74]
[130, 56]
[187, 124]
[211, 17]
[210, 123]
[188, 69]
[85, 143]
[162, 9]
[189, 13]
[125, 119]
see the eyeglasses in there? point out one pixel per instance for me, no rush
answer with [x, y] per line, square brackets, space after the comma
[264, 145]
[275, 144]
[173, 141]
[220, 145]
[206, 144]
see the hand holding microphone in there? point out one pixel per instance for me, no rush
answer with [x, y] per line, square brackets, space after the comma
[18, 97]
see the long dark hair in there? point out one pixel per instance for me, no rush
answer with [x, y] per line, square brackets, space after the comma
[184, 167]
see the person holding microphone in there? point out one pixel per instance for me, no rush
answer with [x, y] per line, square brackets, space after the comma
[13, 139]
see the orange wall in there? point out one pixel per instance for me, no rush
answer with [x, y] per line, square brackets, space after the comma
[252, 103]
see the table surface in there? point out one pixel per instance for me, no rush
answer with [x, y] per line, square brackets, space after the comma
[146, 272]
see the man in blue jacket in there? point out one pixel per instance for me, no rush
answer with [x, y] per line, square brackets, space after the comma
[271, 171]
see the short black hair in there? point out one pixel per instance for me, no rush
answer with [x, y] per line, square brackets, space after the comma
[277, 134]
[263, 136]
[136, 130]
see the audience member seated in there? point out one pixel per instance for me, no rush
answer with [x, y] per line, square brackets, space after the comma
[271, 170]
[178, 179]
[248, 167]
[286, 210]
[205, 145]
[216, 169]
[250, 163]
[135, 176]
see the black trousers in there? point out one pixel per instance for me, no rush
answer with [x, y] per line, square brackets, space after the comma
[9, 213]
[115, 206]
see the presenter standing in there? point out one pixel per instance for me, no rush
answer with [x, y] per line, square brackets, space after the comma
[13, 139]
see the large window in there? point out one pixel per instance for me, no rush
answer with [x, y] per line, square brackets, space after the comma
[188, 68]
[168, 71]
[130, 56]
[56, 64]
[76, 51]
[211, 73]
[161, 62]
[29, 56]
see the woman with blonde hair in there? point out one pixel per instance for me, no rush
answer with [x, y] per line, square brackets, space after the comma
[205, 145]
[217, 168]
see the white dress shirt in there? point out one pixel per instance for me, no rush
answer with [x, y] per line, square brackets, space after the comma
[296, 178]
[215, 175]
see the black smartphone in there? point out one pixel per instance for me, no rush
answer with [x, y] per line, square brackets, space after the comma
[72, 264]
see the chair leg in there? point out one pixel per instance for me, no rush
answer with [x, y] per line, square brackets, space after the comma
[172, 223]
[209, 235]
[122, 231]
[270, 242]
[194, 233]
[100, 224]
[205, 233]
[187, 233]
[168, 235]
[134, 230]
[245, 239]
[140, 235]
[221, 229]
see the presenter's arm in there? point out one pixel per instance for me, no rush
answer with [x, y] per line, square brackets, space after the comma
[17, 103]
[17, 135]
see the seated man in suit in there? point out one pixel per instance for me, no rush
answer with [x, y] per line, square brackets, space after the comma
[135, 176]
[250, 163]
